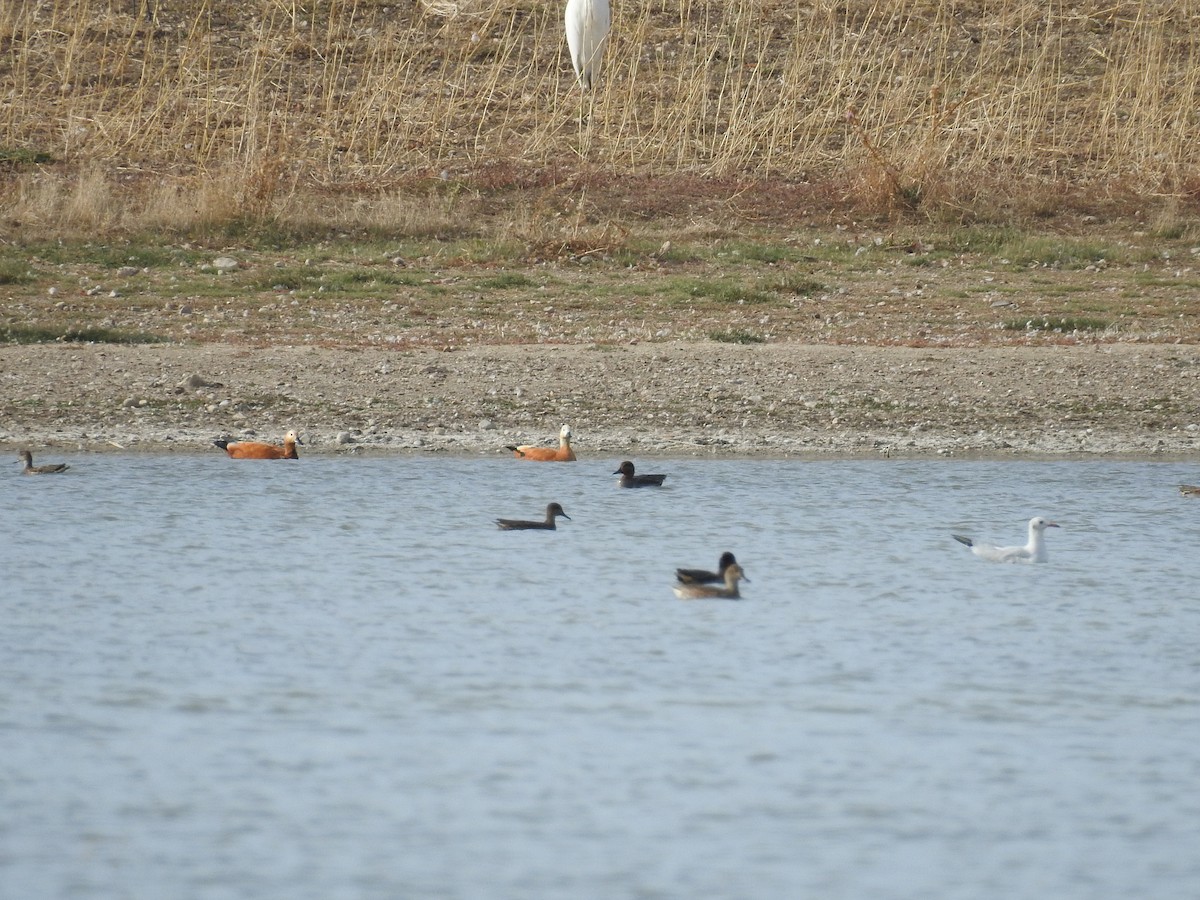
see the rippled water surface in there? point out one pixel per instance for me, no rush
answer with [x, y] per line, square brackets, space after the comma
[337, 679]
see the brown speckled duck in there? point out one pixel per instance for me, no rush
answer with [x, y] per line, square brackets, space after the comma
[31, 469]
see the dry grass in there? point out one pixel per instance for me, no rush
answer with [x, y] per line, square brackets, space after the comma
[184, 113]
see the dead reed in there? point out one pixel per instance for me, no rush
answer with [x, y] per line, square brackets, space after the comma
[186, 111]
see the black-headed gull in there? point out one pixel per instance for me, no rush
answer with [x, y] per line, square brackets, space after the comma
[1032, 552]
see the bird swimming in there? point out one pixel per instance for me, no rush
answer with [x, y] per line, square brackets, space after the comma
[702, 576]
[1190, 490]
[563, 453]
[261, 450]
[630, 480]
[30, 469]
[552, 511]
[587, 23]
[1032, 552]
[733, 575]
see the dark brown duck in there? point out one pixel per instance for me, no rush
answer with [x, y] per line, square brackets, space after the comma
[552, 511]
[630, 480]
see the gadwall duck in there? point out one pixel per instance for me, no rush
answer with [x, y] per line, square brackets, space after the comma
[1032, 552]
[629, 480]
[703, 576]
[260, 450]
[563, 453]
[552, 511]
[1190, 490]
[733, 575]
[31, 469]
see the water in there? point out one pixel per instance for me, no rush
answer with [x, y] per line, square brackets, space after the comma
[337, 679]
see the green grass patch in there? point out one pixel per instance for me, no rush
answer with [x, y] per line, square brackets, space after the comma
[737, 336]
[15, 271]
[362, 279]
[729, 292]
[18, 334]
[757, 252]
[289, 278]
[16, 157]
[1056, 323]
[114, 257]
[797, 285]
[505, 281]
[1023, 248]
[987, 239]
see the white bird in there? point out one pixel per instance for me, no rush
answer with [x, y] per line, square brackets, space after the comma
[587, 29]
[1032, 552]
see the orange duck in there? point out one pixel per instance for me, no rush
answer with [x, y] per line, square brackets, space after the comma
[564, 453]
[260, 450]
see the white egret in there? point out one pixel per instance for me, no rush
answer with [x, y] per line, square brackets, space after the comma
[587, 29]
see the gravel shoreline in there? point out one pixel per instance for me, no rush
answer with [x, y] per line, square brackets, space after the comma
[641, 399]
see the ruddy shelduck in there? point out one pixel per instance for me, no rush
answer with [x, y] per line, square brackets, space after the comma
[630, 480]
[564, 453]
[31, 469]
[702, 576]
[1034, 551]
[260, 450]
[552, 512]
[733, 575]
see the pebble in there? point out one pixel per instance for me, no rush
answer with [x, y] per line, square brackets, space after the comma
[225, 263]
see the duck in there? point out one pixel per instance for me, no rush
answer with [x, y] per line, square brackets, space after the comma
[563, 453]
[260, 450]
[552, 511]
[1034, 551]
[733, 575]
[31, 469]
[702, 576]
[629, 480]
[1190, 490]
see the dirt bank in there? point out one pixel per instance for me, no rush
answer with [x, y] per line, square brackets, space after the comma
[669, 398]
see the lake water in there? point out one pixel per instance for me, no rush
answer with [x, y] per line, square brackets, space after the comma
[337, 679]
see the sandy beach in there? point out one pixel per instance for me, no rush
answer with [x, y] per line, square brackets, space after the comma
[640, 399]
